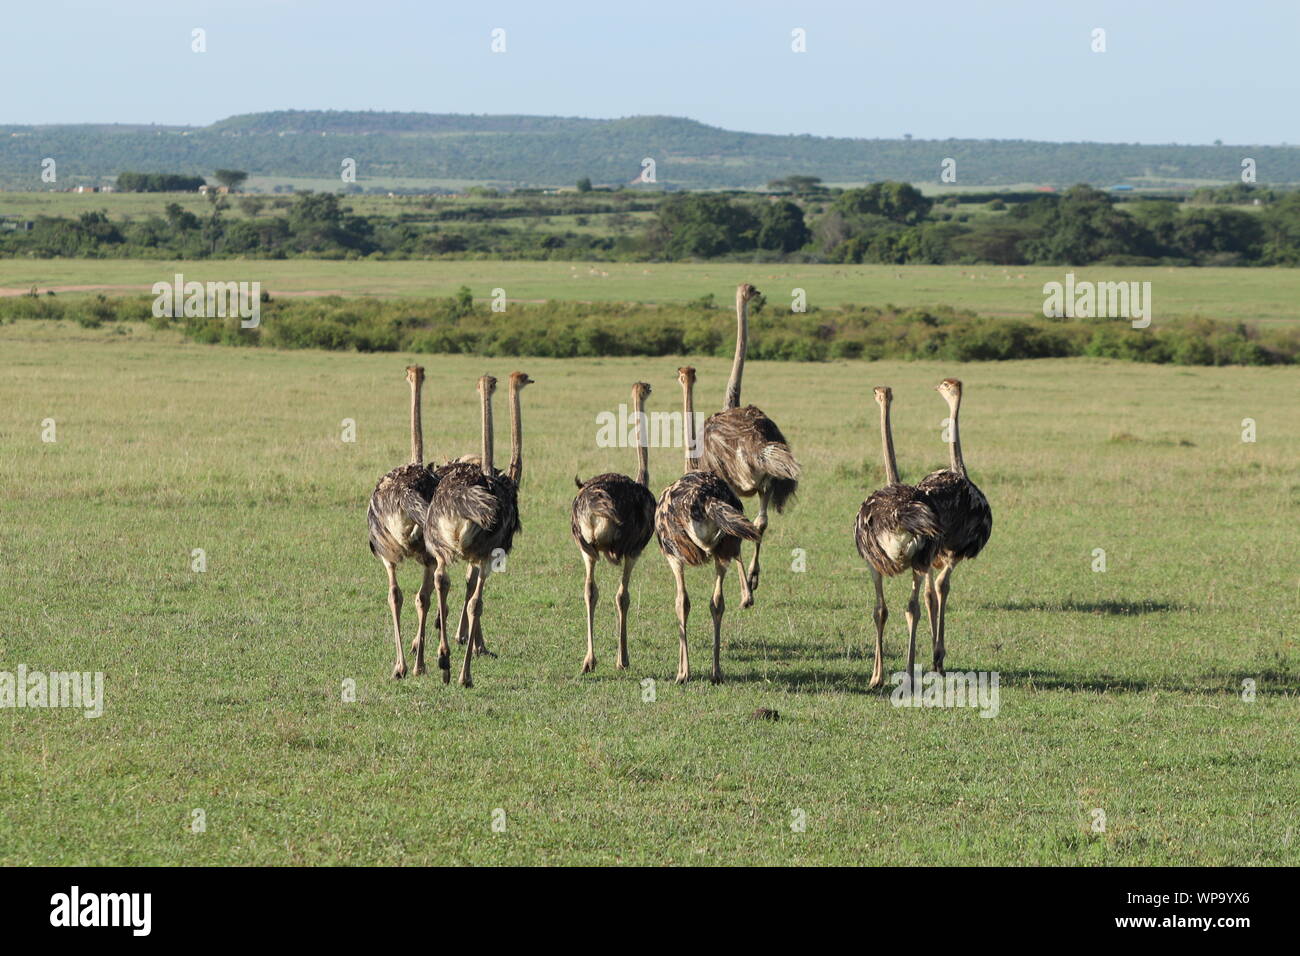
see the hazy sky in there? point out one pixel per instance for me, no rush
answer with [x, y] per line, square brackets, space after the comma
[1187, 72]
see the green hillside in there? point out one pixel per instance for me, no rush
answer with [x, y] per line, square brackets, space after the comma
[547, 151]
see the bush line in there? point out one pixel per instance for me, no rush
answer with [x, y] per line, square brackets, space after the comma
[559, 329]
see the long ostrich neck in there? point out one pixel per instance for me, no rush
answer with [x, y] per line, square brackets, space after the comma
[642, 452]
[955, 461]
[516, 437]
[688, 426]
[486, 457]
[738, 363]
[887, 440]
[417, 431]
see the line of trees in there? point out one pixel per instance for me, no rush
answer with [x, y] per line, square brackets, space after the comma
[887, 222]
[158, 182]
[894, 223]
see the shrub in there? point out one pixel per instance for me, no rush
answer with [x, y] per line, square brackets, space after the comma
[568, 329]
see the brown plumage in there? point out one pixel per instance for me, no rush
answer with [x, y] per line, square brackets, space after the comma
[964, 515]
[627, 506]
[396, 512]
[395, 516]
[473, 516]
[896, 530]
[613, 517]
[896, 511]
[746, 448]
[700, 518]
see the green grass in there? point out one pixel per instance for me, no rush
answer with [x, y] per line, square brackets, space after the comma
[1262, 295]
[1119, 690]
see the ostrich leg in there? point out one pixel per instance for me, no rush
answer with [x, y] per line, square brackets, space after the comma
[422, 600]
[716, 608]
[462, 626]
[941, 584]
[760, 522]
[395, 605]
[623, 598]
[880, 614]
[590, 594]
[913, 617]
[441, 583]
[746, 593]
[683, 612]
[932, 612]
[475, 614]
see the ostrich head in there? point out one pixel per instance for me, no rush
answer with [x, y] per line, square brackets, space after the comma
[487, 385]
[641, 390]
[519, 380]
[745, 292]
[884, 394]
[415, 374]
[950, 390]
[686, 375]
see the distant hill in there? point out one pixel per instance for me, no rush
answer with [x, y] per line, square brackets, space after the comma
[551, 151]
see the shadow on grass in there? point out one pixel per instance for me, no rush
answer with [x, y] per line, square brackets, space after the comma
[1209, 684]
[812, 680]
[777, 651]
[1119, 608]
[801, 680]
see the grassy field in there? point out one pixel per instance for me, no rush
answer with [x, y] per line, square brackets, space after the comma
[1260, 295]
[1120, 691]
[121, 206]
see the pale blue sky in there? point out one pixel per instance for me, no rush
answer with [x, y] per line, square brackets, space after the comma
[1188, 72]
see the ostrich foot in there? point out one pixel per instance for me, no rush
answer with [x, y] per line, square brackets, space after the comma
[399, 671]
[465, 680]
[589, 664]
[621, 662]
[716, 678]
[419, 669]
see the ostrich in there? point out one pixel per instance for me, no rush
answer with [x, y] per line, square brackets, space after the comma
[964, 515]
[516, 472]
[895, 530]
[699, 517]
[395, 514]
[746, 449]
[614, 517]
[472, 515]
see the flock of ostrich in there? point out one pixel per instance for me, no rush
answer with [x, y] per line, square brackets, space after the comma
[468, 510]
